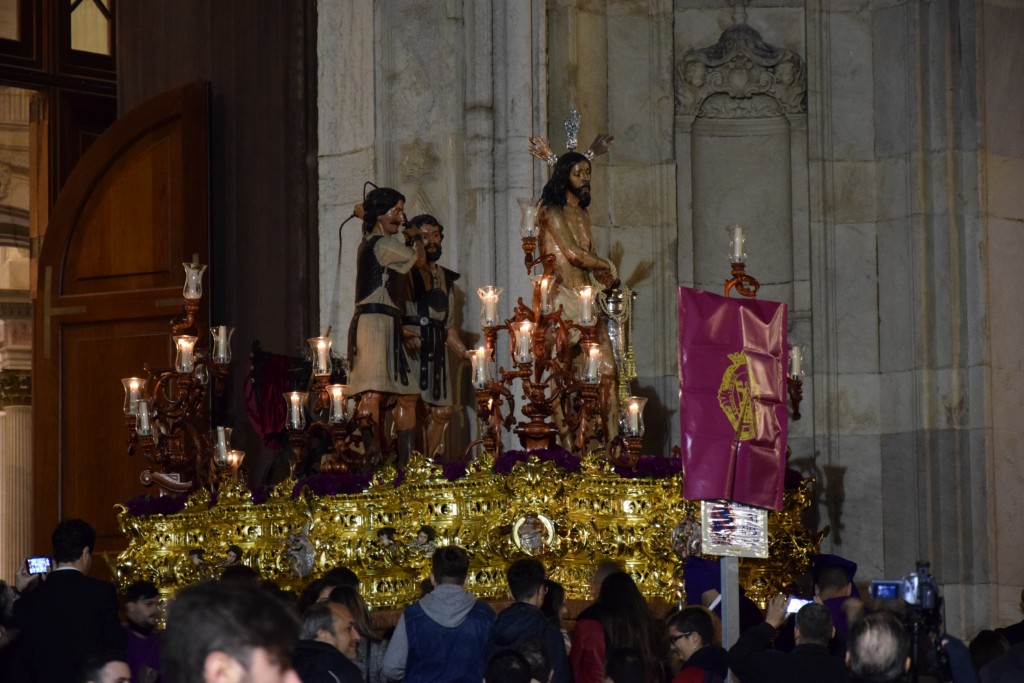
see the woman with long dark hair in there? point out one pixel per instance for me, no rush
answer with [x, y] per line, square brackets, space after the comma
[619, 619]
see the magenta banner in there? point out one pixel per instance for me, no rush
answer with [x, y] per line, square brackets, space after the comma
[732, 398]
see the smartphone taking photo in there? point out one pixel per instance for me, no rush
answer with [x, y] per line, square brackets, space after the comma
[38, 565]
[794, 604]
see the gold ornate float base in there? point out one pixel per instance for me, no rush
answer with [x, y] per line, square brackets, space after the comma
[570, 521]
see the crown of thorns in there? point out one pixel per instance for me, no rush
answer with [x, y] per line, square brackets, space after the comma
[540, 148]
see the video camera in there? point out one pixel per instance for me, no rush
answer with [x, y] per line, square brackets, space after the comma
[917, 588]
[924, 612]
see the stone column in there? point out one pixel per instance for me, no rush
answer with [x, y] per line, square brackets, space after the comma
[15, 433]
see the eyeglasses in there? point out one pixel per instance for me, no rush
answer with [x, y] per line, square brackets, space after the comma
[674, 638]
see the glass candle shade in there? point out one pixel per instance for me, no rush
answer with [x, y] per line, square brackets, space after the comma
[193, 289]
[489, 297]
[586, 296]
[545, 284]
[295, 401]
[221, 336]
[221, 445]
[321, 347]
[184, 359]
[143, 423]
[528, 223]
[591, 363]
[736, 244]
[339, 403]
[235, 459]
[524, 342]
[481, 368]
[134, 391]
[633, 416]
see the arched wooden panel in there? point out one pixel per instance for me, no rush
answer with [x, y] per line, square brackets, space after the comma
[110, 277]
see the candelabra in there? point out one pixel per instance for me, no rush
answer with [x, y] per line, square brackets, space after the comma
[320, 421]
[167, 411]
[555, 360]
[747, 286]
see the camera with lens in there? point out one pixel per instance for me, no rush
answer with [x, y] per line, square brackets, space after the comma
[917, 589]
[923, 616]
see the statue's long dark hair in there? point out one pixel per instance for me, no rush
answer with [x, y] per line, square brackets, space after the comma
[554, 192]
[378, 202]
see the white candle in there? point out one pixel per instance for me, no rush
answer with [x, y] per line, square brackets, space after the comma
[222, 446]
[294, 416]
[737, 244]
[524, 342]
[221, 349]
[489, 297]
[634, 418]
[337, 402]
[481, 373]
[592, 368]
[133, 398]
[586, 295]
[545, 294]
[321, 356]
[186, 344]
[795, 361]
[143, 426]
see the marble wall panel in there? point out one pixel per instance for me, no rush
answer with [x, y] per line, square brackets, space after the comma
[900, 534]
[1008, 478]
[857, 308]
[899, 402]
[893, 87]
[1005, 178]
[897, 286]
[857, 400]
[345, 84]
[1003, 55]
[855, 486]
[893, 192]
[851, 105]
[852, 198]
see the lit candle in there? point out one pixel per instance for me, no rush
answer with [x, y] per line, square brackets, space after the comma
[796, 358]
[736, 243]
[294, 410]
[592, 367]
[545, 293]
[524, 342]
[586, 295]
[184, 362]
[321, 347]
[489, 297]
[481, 370]
[235, 460]
[635, 415]
[338, 402]
[132, 394]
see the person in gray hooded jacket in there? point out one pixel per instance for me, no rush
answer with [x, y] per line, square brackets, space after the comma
[446, 636]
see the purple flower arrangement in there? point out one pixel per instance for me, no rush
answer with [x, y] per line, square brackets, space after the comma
[145, 504]
[564, 460]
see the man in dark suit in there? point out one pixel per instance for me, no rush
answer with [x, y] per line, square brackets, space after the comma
[69, 614]
[809, 662]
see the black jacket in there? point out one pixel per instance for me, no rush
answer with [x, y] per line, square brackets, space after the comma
[519, 621]
[61, 620]
[317, 662]
[752, 662]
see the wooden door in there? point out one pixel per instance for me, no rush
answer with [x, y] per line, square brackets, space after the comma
[109, 281]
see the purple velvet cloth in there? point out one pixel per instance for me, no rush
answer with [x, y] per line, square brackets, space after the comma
[729, 349]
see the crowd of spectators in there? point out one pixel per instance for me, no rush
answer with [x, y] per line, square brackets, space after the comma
[63, 626]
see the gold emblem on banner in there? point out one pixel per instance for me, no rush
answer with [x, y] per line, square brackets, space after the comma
[734, 396]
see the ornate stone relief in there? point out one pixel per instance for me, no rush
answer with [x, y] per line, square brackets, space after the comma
[419, 161]
[741, 76]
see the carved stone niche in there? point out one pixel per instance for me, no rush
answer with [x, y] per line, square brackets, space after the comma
[742, 158]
